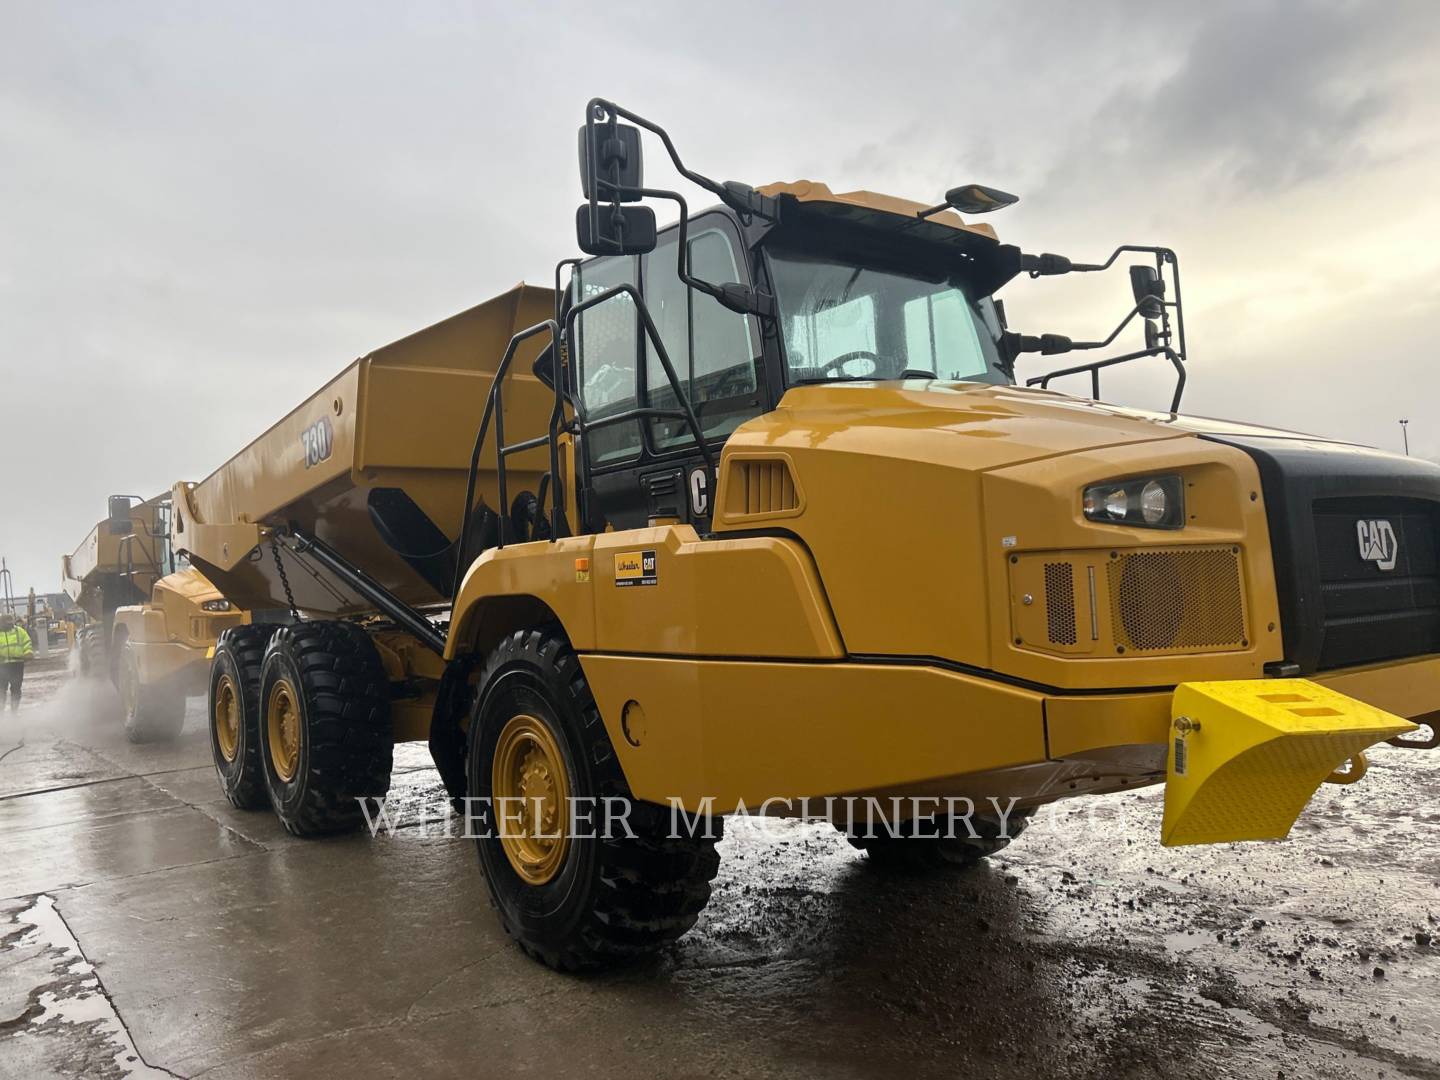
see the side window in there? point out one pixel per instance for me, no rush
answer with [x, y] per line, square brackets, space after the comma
[607, 347]
[712, 349]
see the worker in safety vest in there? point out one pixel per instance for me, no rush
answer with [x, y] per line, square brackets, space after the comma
[14, 651]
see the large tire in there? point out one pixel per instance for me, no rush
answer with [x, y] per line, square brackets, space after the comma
[152, 712]
[325, 735]
[91, 644]
[233, 709]
[937, 847]
[603, 898]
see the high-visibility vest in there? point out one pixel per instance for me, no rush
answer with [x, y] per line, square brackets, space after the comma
[14, 644]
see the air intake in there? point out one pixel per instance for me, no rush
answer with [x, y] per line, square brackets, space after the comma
[1177, 600]
[1060, 602]
[761, 487]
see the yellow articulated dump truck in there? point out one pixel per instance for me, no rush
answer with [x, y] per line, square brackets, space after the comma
[153, 619]
[751, 511]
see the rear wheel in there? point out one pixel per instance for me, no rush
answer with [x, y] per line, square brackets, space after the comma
[153, 713]
[325, 736]
[931, 844]
[234, 711]
[573, 893]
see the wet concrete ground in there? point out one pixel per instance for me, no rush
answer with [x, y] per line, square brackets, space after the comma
[148, 929]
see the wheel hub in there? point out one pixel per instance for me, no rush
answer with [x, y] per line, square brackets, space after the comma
[227, 718]
[282, 725]
[531, 793]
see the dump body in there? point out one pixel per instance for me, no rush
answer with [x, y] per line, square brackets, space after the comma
[388, 440]
[109, 569]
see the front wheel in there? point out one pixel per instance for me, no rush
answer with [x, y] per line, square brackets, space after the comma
[153, 713]
[575, 887]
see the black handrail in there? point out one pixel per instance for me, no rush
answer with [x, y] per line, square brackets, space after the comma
[494, 410]
[491, 400]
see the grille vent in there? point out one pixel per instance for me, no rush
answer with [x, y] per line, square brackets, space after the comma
[761, 486]
[1060, 602]
[1177, 600]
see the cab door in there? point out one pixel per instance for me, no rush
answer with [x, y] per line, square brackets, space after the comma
[651, 469]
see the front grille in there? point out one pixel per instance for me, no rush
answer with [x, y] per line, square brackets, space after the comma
[1371, 613]
[1177, 600]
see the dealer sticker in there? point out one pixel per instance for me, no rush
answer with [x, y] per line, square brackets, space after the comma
[635, 568]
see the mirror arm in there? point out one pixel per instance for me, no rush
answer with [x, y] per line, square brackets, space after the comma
[739, 298]
[739, 197]
[1164, 253]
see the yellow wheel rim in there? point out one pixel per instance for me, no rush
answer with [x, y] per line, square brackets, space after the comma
[282, 728]
[531, 799]
[227, 717]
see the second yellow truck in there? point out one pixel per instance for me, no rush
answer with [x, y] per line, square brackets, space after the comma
[153, 619]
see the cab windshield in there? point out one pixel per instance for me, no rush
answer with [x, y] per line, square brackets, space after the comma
[842, 321]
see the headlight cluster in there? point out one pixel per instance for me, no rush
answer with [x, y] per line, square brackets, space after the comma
[215, 605]
[1149, 502]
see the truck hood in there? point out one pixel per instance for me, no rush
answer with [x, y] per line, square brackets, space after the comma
[973, 425]
[192, 584]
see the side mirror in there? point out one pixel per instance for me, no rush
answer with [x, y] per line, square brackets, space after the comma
[610, 169]
[118, 510]
[978, 199]
[618, 230]
[1148, 289]
[1152, 334]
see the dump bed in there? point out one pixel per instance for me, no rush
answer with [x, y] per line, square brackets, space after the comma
[374, 464]
[109, 568]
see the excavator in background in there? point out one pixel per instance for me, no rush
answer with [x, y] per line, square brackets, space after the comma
[753, 509]
[151, 618]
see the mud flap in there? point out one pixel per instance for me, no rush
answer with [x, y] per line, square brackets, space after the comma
[1246, 756]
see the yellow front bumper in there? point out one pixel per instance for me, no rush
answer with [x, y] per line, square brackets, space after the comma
[1246, 756]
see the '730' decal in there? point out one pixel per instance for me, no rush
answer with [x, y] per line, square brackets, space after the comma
[317, 440]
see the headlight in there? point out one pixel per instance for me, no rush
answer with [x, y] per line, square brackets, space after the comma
[215, 605]
[1149, 502]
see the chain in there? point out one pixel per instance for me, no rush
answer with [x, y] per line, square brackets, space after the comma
[284, 580]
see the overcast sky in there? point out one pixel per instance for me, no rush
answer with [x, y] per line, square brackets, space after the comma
[208, 209]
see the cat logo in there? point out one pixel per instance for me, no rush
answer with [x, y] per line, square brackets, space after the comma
[1378, 543]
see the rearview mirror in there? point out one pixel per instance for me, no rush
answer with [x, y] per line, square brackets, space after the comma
[617, 230]
[611, 169]
[118, 510]
[978, 199]
[1148, 289]
[1152, 334]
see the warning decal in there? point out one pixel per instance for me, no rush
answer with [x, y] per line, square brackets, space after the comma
[635, 568]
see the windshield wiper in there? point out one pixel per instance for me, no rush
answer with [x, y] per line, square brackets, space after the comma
[815, 380]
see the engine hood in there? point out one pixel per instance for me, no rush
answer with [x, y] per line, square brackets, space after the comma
[974, 426]
[192, 585]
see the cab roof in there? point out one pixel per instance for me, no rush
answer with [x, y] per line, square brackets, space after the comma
[813, 191]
